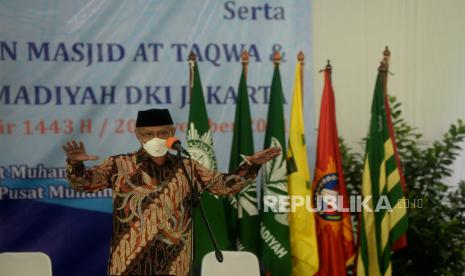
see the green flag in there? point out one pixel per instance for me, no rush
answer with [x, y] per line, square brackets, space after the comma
[200, 146]
[384, 222]
[244, 212]
[274, 227]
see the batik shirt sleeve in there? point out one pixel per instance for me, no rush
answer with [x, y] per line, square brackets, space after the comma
[93, 179]
[224, 183]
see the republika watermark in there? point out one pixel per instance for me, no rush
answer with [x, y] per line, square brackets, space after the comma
[336, 203]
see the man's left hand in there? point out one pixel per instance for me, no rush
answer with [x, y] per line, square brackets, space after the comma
[263, 156]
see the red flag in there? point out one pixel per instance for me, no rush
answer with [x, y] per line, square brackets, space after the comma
[334, 227]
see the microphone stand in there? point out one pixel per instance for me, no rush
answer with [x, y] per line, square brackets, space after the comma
[195, 202]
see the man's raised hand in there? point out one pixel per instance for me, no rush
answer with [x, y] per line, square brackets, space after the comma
[263, 156]
[77, 152]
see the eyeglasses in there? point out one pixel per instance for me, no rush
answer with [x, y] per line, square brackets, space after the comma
[162, 134]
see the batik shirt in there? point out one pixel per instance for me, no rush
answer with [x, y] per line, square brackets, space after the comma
[151, 208]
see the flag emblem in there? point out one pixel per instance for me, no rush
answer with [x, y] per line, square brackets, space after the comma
[200, 147]
[247, 199]
[275, 175]
[326, 191]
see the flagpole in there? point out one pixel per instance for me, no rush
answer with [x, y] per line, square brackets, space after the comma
[384, 67]
[245, 62]
[195, 194]
[191, 60]
[300, 59]
[276, 61]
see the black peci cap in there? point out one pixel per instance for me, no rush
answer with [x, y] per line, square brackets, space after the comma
[153, 117]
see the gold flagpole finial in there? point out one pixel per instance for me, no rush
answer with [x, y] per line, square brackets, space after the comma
[276, 58]
[191, 62]
[386, 53]
[245, 57]
[192, 56]
[301, 57]
[384, 64]
[245, 62]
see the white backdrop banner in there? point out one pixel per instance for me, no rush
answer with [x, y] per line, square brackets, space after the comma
[82, 69]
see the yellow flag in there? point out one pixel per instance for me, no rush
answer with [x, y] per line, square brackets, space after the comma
[304, 248]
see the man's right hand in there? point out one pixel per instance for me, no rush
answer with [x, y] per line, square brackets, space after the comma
[76, 152]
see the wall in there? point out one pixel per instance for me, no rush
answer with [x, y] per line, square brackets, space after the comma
[427, 43]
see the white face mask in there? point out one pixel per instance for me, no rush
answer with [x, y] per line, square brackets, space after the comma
[156, 147]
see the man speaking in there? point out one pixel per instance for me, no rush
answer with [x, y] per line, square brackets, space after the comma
[152, 196]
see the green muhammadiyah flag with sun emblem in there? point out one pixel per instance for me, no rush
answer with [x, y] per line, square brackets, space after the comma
[245, 222]
[200, 146]
[274, 226]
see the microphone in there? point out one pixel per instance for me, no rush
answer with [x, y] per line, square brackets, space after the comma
[175, 144]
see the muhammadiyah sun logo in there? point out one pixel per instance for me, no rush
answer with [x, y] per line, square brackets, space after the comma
[247, 199]
[201, 147]
[275, 179]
